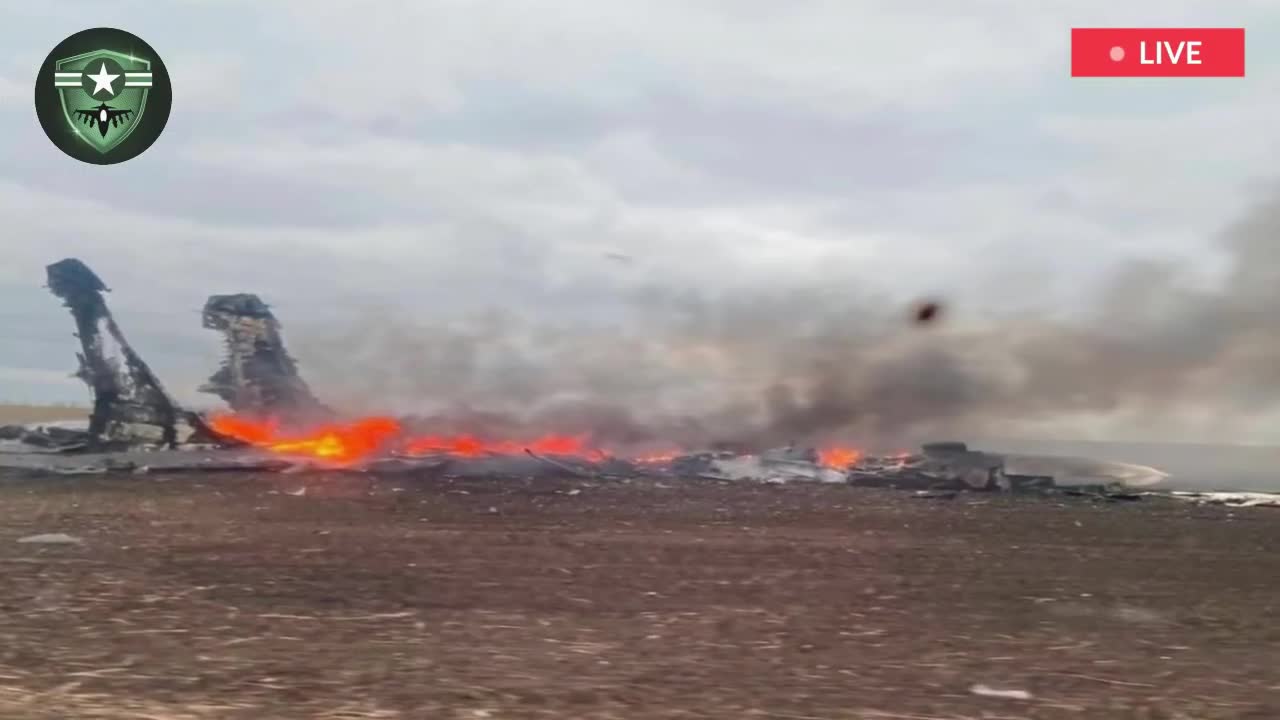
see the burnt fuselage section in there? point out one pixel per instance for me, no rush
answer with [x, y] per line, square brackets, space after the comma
[126, 394]
[258, 377]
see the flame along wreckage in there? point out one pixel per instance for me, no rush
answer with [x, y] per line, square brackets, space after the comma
[276, 423]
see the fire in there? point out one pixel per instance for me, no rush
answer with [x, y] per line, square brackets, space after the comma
[251, 431]
[839, 457]
[362, 438]
[338, 442]
[350, 442]
[469, 446]
[657, 458]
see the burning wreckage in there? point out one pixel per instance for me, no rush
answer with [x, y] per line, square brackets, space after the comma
[276, 423]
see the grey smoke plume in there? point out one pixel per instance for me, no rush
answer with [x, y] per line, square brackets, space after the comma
[775, 365]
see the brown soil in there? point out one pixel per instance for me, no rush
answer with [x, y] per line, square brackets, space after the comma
[22, 414]
[234, 597]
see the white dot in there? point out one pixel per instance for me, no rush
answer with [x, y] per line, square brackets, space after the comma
[1117, 54]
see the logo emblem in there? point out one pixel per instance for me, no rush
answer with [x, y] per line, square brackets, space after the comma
[103, 96]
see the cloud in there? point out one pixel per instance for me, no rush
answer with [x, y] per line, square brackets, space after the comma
[12, 93]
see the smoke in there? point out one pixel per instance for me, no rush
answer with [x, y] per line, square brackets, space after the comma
[824, 362]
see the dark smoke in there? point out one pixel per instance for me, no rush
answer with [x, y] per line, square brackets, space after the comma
[822, 363]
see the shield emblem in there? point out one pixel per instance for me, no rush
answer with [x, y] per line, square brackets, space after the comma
[104, 94]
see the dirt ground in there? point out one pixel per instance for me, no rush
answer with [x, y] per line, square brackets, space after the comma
[21, 414]
[340, 596]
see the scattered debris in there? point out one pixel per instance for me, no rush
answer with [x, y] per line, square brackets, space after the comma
[51, 539]
[935, 495]
[259, 380]
[777, 466]
[953, 466]
[934, 474]
[939, 466]
[258, 377]
[557, 464]
[51, 438]
[1233, 499]
[157, 461]
[432, 464]
[986, 691]
[1122, 496]
[1081, 471]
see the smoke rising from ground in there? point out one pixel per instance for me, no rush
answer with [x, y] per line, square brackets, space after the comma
[825, 362]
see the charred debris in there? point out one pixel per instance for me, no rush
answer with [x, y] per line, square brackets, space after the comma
[130, 406]
[135, 425]
[129, 403]
[258, 376]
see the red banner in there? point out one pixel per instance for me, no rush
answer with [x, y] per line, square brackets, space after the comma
[1157, 52]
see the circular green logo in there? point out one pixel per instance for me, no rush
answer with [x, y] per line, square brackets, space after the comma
[103, 96]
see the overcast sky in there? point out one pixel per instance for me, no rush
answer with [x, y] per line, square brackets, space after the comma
[442, 158]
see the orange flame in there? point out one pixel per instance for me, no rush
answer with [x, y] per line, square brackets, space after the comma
[359, 439]
[253, 432]
[350, 442]
[656, 458]
[839, 457]
[469, 446]
[339, 443]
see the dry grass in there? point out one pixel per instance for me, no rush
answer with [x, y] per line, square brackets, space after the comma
[19, 414]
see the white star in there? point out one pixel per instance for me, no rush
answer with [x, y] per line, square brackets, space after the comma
[102, 81]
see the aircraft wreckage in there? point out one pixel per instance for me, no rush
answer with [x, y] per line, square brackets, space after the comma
[136, 426]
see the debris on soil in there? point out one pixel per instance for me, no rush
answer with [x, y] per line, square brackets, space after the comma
[1233, 499]
[50, 539]
[557, 464]
[130, 461]
[781, 465]
[260, 382]
[944, 465]
[940, 471]
[50, 437]
[258, 377]
[986, 691]
[953, 466]
[935, 495]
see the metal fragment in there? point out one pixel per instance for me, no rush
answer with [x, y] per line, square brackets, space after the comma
[258, 377]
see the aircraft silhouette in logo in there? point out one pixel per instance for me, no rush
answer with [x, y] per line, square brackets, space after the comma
[101, 115]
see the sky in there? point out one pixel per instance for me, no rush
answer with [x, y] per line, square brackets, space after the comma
[434, 194]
